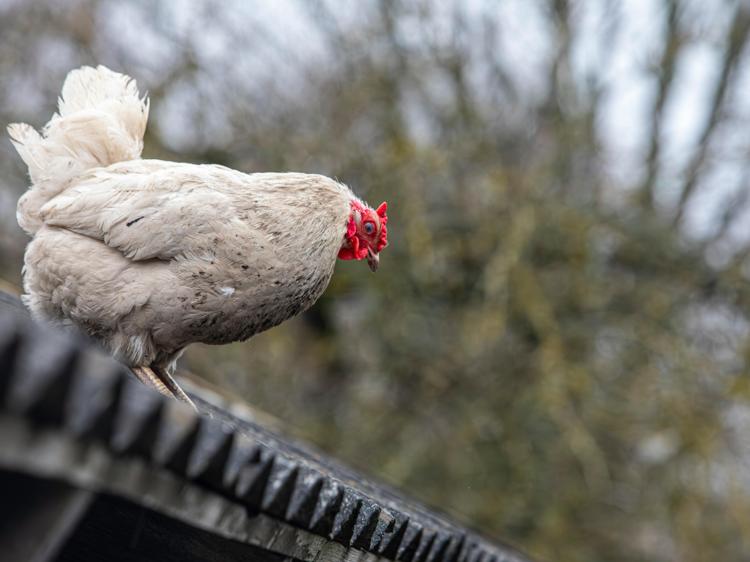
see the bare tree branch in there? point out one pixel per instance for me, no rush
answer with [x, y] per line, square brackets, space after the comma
[735, 43]
[673, 44]
[733, 208]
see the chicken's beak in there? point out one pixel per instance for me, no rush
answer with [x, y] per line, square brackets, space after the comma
[373, 260]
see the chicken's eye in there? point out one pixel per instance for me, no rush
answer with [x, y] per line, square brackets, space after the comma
[369, 227]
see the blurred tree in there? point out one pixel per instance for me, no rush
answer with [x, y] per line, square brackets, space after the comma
[551, 352]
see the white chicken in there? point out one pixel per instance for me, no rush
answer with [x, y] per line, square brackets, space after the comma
[148, 256]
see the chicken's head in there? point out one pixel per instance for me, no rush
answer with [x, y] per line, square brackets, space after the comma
[366, 234]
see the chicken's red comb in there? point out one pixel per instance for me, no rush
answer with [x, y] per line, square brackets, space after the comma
[381, 211]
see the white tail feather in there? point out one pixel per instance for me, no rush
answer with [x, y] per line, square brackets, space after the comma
[101, 121]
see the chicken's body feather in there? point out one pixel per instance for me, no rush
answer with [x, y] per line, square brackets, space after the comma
[148, 256]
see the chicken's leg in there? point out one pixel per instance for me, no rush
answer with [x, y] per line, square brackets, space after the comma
[159, 379]
[172, 385]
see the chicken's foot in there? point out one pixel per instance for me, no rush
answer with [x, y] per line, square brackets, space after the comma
[172, 386]
[158, 379]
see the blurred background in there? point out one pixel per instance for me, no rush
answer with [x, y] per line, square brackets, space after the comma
[555, 349]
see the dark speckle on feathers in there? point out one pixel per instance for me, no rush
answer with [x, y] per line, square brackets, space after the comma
[131, 223]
